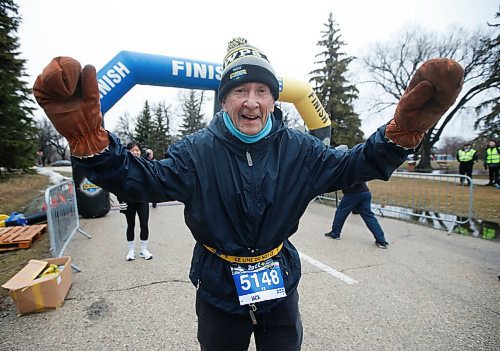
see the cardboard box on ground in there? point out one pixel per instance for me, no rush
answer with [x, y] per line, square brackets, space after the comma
[36, 294]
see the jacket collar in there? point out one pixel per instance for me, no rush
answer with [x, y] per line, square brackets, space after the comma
[219, 129]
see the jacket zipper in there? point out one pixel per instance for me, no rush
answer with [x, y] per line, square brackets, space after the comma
[253, 308]
[254, 190]
[249, 159]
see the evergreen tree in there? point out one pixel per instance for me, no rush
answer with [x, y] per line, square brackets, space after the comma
[333, 90]
[144, 127]
[489, 123]
[191, 112]
[17, 127]
[161, 137]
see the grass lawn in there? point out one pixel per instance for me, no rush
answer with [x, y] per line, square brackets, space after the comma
[16, 192]
[441, 197]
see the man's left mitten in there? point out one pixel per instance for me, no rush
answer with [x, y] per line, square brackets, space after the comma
[70, 98]
[431, 92]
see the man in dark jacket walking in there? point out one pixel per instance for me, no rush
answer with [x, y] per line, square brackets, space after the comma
[357, 198]
[245, 181]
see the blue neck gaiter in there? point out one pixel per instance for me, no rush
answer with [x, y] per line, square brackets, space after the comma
[249, 139]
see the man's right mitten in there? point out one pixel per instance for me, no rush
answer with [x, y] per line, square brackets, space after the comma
[70, 98]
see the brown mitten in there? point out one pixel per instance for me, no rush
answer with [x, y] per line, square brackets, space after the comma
[70, 98]
[431, 92]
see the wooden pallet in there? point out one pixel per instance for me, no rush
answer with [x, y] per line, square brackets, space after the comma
[20, 237]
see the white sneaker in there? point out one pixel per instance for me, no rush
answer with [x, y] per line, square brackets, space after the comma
[131, 255]
[146, 254]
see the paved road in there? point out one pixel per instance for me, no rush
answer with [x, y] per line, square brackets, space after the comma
[428, 291]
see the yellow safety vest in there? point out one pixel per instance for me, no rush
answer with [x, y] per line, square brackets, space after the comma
[492, 156]
[466, 156]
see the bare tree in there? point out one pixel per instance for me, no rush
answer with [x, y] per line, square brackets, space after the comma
[450, 145]
[291, 117]
[391, 66]
[125, 128]
[50, 141]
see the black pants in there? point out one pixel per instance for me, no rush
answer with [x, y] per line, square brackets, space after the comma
[279, 329]
[493, 173]
[465, 168]
[142, 210]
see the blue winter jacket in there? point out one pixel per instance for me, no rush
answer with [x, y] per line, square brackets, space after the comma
[242, 199]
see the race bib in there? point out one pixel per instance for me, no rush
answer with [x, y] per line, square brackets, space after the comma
[258, 282]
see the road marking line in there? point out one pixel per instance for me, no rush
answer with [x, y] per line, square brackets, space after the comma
[328, 269]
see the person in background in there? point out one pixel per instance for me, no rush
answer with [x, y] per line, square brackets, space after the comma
[466, 157]
[150, 157]
[357, 198]
[492, 162]
[245, 182]
[130, 209]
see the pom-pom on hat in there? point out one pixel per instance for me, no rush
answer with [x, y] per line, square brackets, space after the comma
[244, 63]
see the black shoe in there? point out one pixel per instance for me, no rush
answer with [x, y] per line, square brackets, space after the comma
[382, 244]
[329, 234]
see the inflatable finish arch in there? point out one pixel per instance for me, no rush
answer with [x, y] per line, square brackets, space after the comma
[129, 68]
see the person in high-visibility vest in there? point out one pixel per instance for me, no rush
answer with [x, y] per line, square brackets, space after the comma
[466, 158]
[492, 162]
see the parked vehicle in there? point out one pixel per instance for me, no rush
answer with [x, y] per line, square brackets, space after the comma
[60, 163]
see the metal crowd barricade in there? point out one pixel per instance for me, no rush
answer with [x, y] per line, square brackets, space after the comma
[62, 217]
[437, 198]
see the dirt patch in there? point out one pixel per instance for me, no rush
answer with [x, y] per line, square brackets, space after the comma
[99, 309]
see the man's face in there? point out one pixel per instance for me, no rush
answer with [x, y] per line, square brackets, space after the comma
[491, 144]
[249, 106]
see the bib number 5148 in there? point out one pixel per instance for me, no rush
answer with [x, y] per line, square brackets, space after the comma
[268, 278]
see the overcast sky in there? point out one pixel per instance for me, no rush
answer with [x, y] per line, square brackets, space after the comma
[94, 31]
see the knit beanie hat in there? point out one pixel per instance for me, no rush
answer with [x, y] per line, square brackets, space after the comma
[244, 63]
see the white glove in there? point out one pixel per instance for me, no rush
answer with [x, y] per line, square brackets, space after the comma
[123, 206]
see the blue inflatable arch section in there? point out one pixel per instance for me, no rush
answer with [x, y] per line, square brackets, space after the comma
[129, 68]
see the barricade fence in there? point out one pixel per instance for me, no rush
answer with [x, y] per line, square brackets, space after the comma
[440, 198]
[62, 217]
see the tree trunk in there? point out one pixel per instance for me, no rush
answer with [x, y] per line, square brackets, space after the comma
[425, 159]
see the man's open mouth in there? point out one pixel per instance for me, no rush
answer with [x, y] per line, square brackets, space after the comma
[252, 118]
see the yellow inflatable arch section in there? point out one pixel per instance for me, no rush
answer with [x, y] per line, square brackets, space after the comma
[308, 105]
